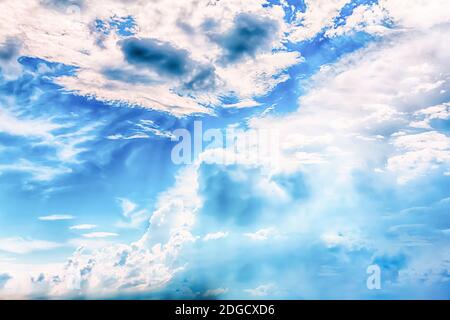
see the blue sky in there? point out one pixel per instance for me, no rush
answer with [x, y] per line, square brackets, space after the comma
[93, 205]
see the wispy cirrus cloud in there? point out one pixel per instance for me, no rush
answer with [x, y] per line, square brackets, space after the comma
[56, 217]
[83, 227]
[62, 140]
[38, 172]
[19, 245]
[263, 234]
[100, 235]
[132, 217]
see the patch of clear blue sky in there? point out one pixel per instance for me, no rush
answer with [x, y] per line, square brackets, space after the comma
[123, 26]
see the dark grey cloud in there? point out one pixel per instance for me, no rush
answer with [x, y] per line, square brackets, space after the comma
[248, 35]
[168, 62]
[159, 56]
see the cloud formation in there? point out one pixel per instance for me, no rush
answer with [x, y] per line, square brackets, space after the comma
[105, 59]
[56, 217]
[248, 35]
[160, 57]
[358, 92]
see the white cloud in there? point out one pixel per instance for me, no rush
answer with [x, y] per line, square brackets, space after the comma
[145, 129]
[38, 172]
[417, 14]
[262, 290]
[422, 153]
[83, 227]
[99, 268]
[72, 39]
[122, 137]
[100, 235]
[349, 116]
[159, 98]
[215, 236]
[127, 206]
[263, 234]
[215, 292]
[248, 103]
[309, 158]
[427, 140]
[408, 14]
[91, 244]
[38, 128]
[319, 15]
[350, 239]
[352, 107]
[367, 18]
[438, 112]
[131, 215]
[20, 245]
[20, 286]
[145, 265]
[56, 217]
[258, 76]
[43, 132]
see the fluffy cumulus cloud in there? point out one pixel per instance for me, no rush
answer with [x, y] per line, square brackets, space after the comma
[146, 265]
[170, 62]
[355, 93]
[317, 16]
